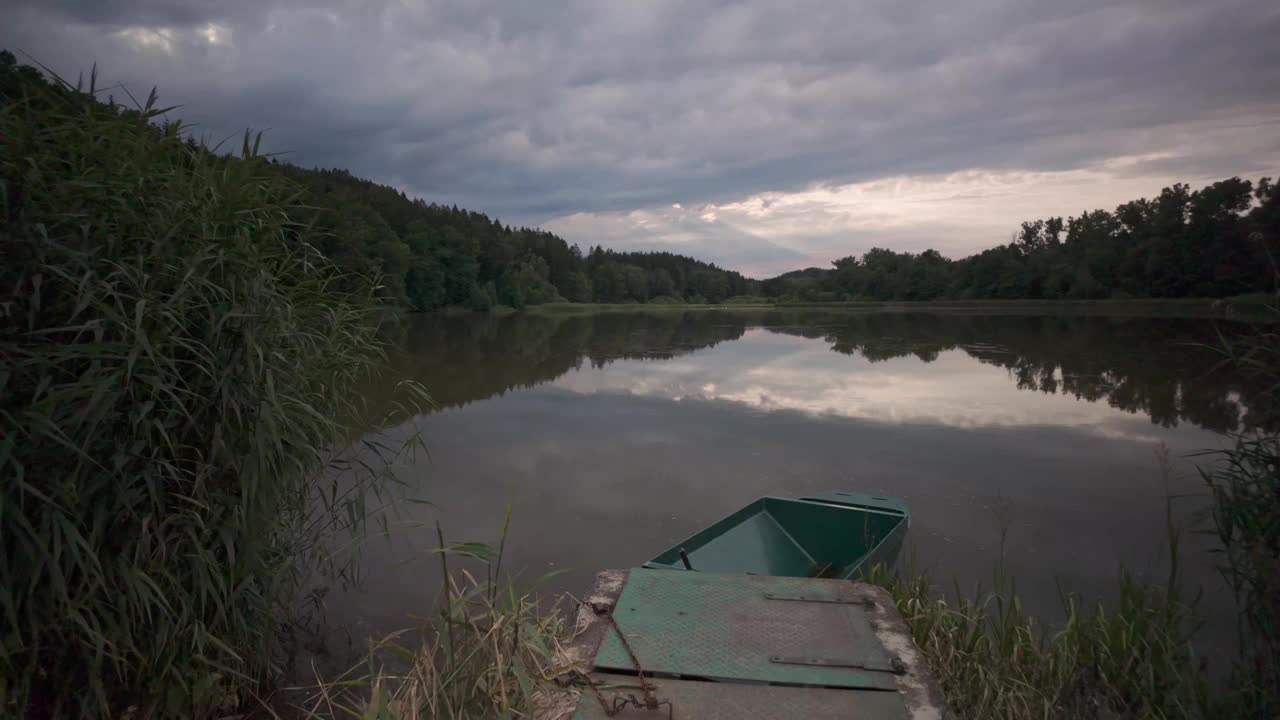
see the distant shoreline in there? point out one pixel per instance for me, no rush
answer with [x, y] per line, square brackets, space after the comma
[1245, 308]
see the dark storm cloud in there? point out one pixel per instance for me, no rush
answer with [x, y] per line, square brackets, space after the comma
[536, 110]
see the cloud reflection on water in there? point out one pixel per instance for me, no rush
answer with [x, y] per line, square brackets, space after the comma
[769, 372]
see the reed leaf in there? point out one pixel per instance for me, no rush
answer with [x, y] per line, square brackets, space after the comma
[176, 365]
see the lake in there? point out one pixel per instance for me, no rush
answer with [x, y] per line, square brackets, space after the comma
[614, 435]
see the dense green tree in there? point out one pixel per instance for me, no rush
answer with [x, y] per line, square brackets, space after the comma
[526, 282]
[575, 287]
[711, 285]
[1218, 241]
[425, 280]
[609, 282]
[458, 255]
[430, 256]
[637, 283]
[661, 283]
[363, 241]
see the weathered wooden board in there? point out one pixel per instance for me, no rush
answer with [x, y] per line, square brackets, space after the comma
[746, 647]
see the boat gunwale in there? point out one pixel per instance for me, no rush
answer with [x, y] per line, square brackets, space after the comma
[893, 507]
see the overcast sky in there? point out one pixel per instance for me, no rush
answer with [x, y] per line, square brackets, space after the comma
[763, 135]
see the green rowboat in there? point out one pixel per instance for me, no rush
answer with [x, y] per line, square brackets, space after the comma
[829, 535]
[758, 633]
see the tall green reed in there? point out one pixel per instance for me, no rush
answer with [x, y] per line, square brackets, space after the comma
[1130, 657]
[489, 650]
[1245, 482]
[176, 364]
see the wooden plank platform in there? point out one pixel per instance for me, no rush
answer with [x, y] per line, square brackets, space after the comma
[715, 701]
[713, 646]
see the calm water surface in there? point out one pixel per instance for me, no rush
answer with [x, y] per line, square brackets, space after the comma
[616, 435]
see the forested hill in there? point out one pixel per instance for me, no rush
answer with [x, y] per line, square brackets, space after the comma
[432, 256]
[1217, 241]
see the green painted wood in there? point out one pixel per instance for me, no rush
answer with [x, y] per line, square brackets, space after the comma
[758, 544]
[729, 628]
[879, 503]
[691, 699]
[835, 534]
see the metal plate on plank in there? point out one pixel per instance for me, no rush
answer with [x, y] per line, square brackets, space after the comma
[732, 701]
[813, 597]
[853, 662]
[725, 627]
